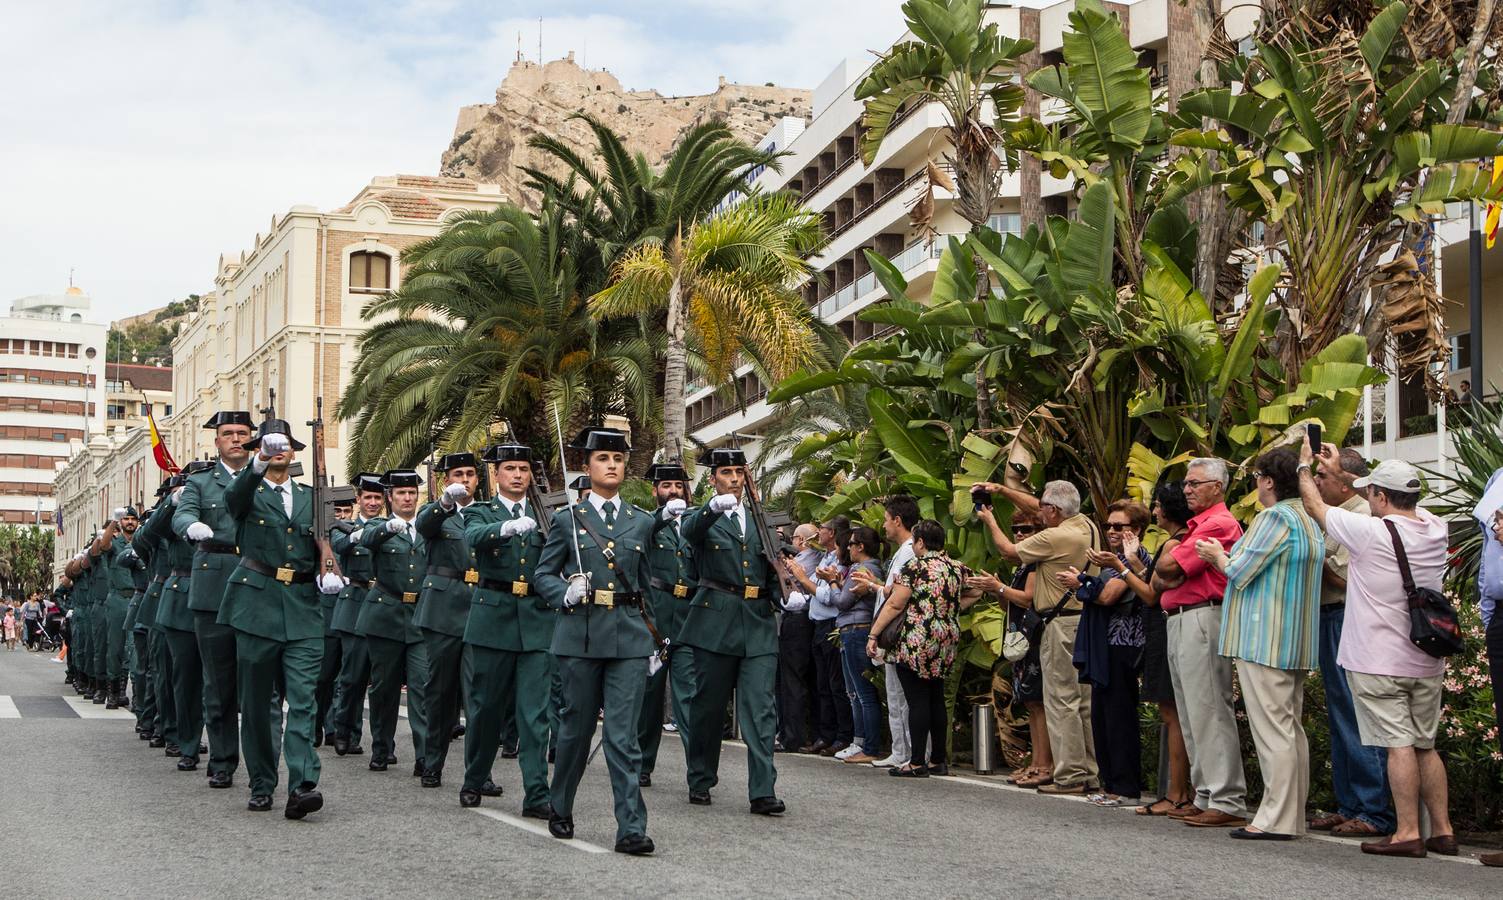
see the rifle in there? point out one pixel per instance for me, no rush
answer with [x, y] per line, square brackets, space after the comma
[771, 542]
[535, 493]
[431, 451]
[323, 514]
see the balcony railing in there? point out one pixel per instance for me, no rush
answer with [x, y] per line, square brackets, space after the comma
[897, 120]
[907, 183]
[728, 411]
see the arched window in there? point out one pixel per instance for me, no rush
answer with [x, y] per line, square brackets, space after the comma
[370, 271]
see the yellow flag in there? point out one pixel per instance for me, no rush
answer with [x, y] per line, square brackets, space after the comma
[1490, 223]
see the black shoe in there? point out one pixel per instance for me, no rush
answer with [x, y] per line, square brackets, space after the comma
[99, 696]
[510, 752]
[490, 789]
[469, 797]
[157, 741]
[172, 750]
[341, 745]
[356, 750]
[140, 729]
[768, 806]
[418, 769]
[636, 845]
[644, 779]
[699, 798]
[143, 734]
[259, 803]
[378, 765]
[221, 779]
[391, 759]
[941, 770]
[300, 803]
[561, 827]
[112, 698]
[777, 746]
[202, 748]
[318, 737]
[187, 764]
[432, 780]
[456, 732]
[544, 812]
[1242, 834]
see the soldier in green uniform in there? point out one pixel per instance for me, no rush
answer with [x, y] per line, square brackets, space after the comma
[169, 554]
[354, 656]
[399, 557]
[444, 604]
[507, 635]
[672, 583]
[731, 627]
[99, 594]
[181, 660]
[328, 673]
[203, 518]
[81, 570]
[143, 692]
[121, 564]
[272, 605]
[594, 567]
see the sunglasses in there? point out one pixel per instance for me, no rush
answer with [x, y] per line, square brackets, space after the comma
[1024, 529]
[1192, 483]
[1118, 526]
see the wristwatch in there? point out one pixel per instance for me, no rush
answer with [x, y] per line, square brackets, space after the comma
[1303, 467]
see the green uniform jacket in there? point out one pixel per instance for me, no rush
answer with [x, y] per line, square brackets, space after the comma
[671, 562]
[717, 620]
[172, 609]
[588, 630]
[140, 578]
[123, 562]
[355, 563]
[399, 568]
[203, 501]
[260, 604]
[444, 604]
[499, 618]
[156, 537]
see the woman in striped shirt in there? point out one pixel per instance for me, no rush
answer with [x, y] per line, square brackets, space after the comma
[1270, 625]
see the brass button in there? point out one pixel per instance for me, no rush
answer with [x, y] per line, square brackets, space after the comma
[611, 585]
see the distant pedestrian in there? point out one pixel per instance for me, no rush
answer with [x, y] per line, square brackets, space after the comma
[10, 626]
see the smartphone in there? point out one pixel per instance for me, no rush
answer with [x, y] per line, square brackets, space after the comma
[1313, 432]
[981, 499]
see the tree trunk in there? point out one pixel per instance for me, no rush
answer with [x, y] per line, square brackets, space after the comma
[1209, 210]
[674, 365]
[983, 385]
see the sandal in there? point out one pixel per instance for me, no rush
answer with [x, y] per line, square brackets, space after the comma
[1023, 774]
[1035, 782]
[1356, 828]
[1153, 809]
[1106, 801]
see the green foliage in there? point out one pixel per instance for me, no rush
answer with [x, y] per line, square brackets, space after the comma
[25, 560]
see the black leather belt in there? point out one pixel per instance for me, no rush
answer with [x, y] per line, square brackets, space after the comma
[362, 583]
[515, 588]
[407, 597]
[1201, 605]
[610, 600]
[745, 591]
[283, 574]
[216, 547]
[676, 589]
[468, 576]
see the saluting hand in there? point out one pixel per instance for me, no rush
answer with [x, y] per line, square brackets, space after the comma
[454, 495]
[675, 507]
[274, 445]
[198, 531]
[723, 503]
[395, 525]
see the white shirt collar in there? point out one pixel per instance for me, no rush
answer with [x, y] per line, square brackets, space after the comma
[598, 502]
[509, 503]
[227, 470]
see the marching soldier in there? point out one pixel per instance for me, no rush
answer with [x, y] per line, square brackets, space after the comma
[506, 638]
[81, 570]
[170, 555]
[120, 565]
[354, 655]
[148, 592]
[181, 661]
[203, 518]
[399, 556]
[671, 585]
[99, 593]
[594, 567]
[327, 690]
[444, 603]
[731, 627]
[271, 603]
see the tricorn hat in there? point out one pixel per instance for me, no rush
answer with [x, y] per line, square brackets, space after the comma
[715, 457]
[592, 439]
[229, 417]
[581, 483]
[399, 478]
[197, 466]
[166, 485]
[369, 481]
[130, 513]
[666, 472]
[273, 426]
[456, 461]
[500, 453]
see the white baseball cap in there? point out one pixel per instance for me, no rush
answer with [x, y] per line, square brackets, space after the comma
[1392, 475]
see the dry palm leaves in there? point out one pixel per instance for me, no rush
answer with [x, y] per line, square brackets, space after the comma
[1414, 321]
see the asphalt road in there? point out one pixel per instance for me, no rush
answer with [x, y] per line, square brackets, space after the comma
[108, 816]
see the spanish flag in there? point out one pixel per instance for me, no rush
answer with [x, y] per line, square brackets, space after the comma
[159, 449]
[1490, 224]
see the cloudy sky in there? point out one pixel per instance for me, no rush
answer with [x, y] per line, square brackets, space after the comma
[140, 140]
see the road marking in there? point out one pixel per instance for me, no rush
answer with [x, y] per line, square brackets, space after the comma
[8, 708]
[540, 830]
[87, 709]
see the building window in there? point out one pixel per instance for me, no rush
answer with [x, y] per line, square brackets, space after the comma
[1461, 351]
[370, 271]
[116, 410]
[146, 409]
[167, 410]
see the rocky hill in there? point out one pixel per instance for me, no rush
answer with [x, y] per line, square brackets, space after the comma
[490, 139]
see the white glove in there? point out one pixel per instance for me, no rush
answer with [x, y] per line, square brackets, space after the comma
[655, 661]
[519, 525]
[723, 503]
[395, 525]
[454, 495]
[118, 514]
[69, 615]
[575, 593]
[675, 507]
[274, 444]
[329, 583]
[198, 531]
[356, 535]
[177, 494]
[796, 602]
[82, 556]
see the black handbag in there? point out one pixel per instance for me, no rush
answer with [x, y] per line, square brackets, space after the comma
[1432, 619]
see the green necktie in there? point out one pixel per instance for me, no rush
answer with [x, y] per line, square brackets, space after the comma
[516, 510]
[610, 513]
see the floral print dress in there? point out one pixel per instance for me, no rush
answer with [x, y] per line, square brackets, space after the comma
[931, 627]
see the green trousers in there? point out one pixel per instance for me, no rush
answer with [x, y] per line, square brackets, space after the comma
[143, 697]
[99, 641]
[441, 696]
[161, 684]
[349, 693]
[491, 677]
[264, 667]
[78, 642]
[115, 609]
[616, 686]
[680, 672]
[752, 679]
[393, 664]
[187, 688]
[217, 647]
[328, 685]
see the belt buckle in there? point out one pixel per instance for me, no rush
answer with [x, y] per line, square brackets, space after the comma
[409, 597]
[471, 576]
[284, 575]
[680, 590]
[751, 592]
[606, 599]
[519, 588]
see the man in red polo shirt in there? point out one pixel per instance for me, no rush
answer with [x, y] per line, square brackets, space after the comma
[1191, 598]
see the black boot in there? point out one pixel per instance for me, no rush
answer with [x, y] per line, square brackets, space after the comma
[101, 692]
[112, 695]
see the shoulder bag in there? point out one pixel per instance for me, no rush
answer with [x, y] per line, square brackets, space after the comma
[1432, 619]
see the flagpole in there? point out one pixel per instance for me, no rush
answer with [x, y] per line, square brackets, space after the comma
[1474, 298]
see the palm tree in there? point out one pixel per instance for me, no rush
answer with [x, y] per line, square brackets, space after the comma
[970, 69]
[491, 324]
[727, 286]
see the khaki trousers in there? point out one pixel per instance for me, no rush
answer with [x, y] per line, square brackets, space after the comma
[1275, 700]
[1067, 705]
[1207, 717]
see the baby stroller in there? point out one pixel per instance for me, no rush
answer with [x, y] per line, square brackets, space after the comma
[49, 637]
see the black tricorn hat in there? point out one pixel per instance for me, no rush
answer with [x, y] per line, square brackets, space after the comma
[130, 512]
[342, 502]
[666, 472]
[500, 453]
[592, 439]
[715, 457]
[273, 426]
[456, 461]
[197, 466]
[581, 483]
[369, 481]
[229, 417]
[166, 485]
[398, 478]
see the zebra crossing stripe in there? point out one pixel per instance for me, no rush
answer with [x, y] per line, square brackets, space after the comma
[8, 708]
[88, 709]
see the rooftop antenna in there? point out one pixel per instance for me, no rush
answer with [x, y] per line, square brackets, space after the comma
[540, 40]
[70, 276]
[519, 46]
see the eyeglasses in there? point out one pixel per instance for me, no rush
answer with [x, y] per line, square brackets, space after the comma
[1118, 526]
[1023, 529]
[1257, 474]
[1193, 484]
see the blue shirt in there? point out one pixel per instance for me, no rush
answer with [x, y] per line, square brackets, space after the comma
[1272, 611]
[1490, 566]
[822, 606]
